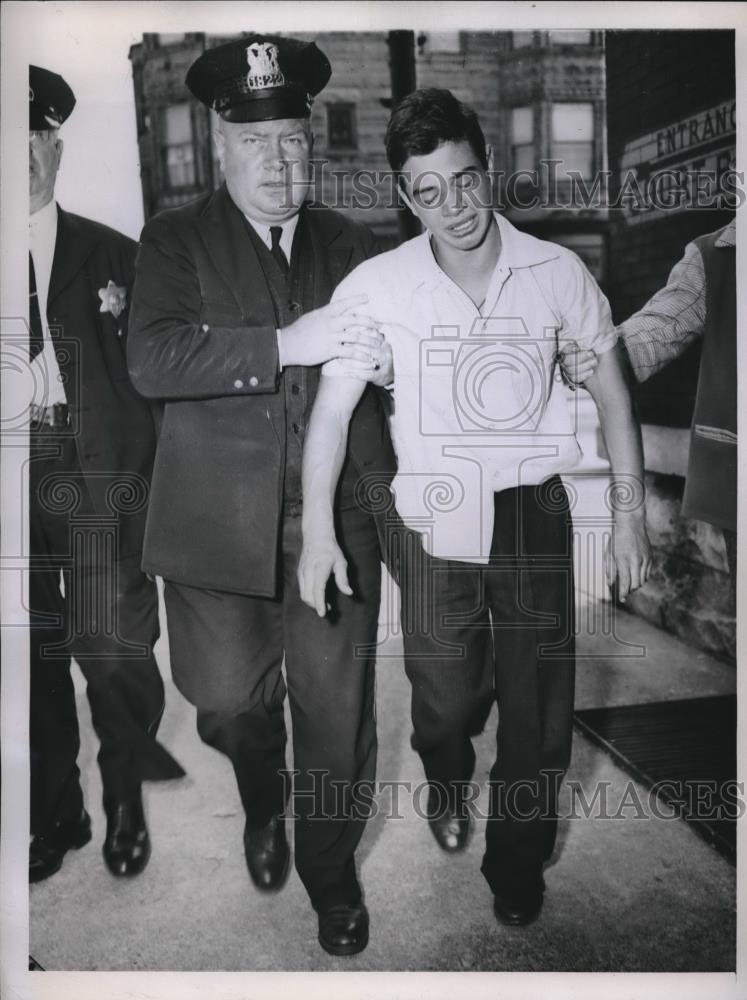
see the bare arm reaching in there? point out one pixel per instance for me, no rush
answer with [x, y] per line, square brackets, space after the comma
[324, 452]
[628, 559]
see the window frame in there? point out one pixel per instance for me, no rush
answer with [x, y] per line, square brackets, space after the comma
[532, 43]
[588, 144]
[352, 108]
[530, 144]
[167, 146]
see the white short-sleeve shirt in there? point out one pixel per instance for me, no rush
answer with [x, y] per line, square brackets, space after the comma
[478, 402]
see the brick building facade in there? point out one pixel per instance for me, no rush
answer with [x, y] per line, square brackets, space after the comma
[545, 88]
[552, 120]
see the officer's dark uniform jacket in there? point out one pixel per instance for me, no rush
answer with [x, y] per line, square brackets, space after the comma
[113, 425]
[203, 339]
[113, 437]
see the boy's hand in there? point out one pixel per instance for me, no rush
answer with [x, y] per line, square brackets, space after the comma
[320, 558]
[627, 558]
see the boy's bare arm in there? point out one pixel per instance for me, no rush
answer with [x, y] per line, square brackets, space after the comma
[324, 453]
[628, 559]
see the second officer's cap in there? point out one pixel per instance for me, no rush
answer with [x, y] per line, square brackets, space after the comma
[260, 78]
[51, 100]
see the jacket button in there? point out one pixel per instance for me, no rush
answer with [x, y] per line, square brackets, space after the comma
[296, 428]
[295, 389]
[205, 328]
[254, 381]
[238, 384]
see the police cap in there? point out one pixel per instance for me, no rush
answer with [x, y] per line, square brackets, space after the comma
[260, 78]
[50, 99]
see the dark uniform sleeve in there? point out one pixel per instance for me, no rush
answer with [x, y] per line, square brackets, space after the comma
[175, 349]
[126, 250]
[121, 252]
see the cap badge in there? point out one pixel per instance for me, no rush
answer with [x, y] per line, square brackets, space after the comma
[264, 68]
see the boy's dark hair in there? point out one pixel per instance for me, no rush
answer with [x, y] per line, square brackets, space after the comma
[424, 120]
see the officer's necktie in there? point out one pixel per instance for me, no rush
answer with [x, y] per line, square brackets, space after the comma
[36, 333]
[277, 251]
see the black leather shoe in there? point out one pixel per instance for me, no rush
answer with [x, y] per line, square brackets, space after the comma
[449, 825]
[518, 907]
[343, 928]
[46, 851]
[267, 854]
[127, 844]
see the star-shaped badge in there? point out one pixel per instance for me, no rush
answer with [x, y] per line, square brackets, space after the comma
[113, 299]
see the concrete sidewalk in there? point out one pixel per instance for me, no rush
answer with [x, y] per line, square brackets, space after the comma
[627, 894]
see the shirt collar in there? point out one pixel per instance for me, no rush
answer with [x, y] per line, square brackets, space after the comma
[728, 235]
[262, 229]
[518, 249]
[44, 222]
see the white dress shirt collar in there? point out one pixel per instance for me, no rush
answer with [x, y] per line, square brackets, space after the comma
[518, 249]
[43, 225]
[262, 229]
[48, 385]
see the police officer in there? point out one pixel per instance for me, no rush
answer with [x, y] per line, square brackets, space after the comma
[229, 325]
[91, 453]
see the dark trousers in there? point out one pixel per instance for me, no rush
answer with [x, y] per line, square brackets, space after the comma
[504, 630]
[88, 603]
[227, 651]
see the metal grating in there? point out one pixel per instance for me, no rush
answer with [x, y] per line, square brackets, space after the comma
[691, 745]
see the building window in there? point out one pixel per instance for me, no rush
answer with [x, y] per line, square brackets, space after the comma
[573, 139]
[522, 39]
[438, 41]
[569, 37]
[179, 150]
[522, 139]
[341, 130]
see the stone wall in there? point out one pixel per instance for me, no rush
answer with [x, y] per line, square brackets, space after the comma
[688, 592]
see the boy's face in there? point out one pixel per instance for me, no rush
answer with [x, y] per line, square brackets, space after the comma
[449, 192]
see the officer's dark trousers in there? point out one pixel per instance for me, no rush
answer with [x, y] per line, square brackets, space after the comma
[240, 643]
[89, 602]
[504, 630]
